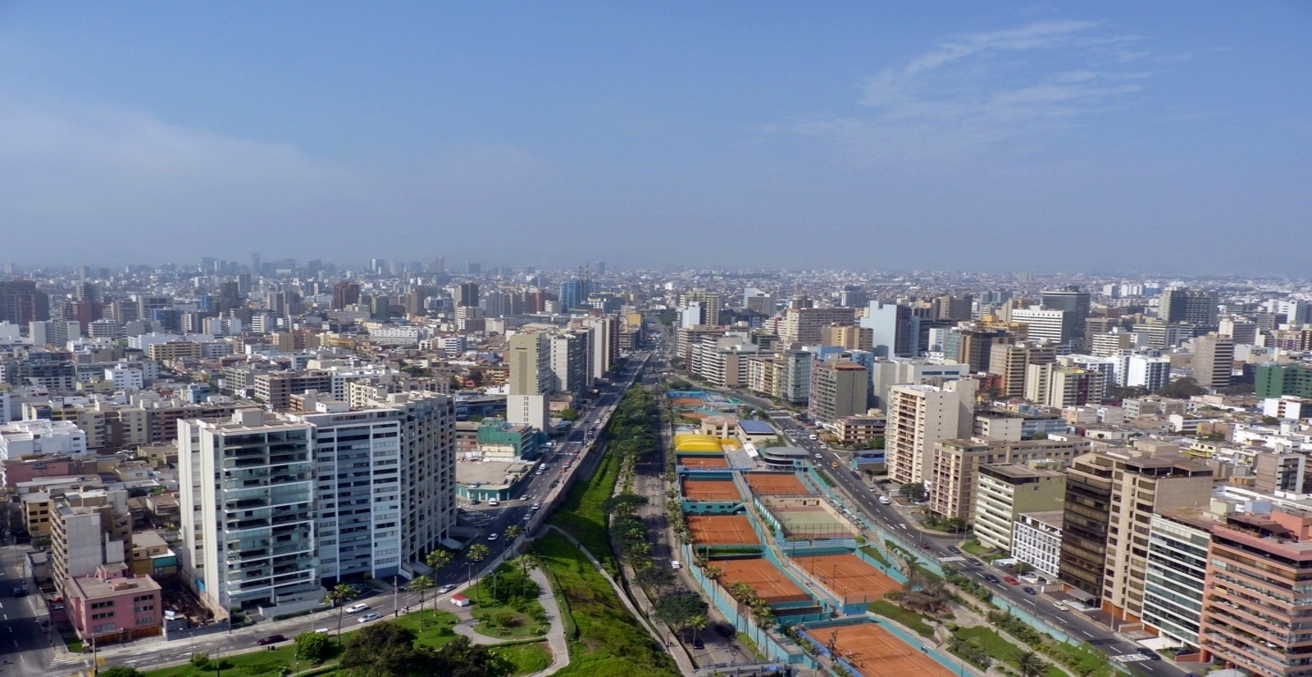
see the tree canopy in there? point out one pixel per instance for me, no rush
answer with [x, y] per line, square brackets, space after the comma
[388, 650]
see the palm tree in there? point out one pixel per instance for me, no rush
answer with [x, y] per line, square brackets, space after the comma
[512, 531]
[1030, 664]
[422, 584]
[438, 558]
[339, 596]
[477, 553]
[698, 623]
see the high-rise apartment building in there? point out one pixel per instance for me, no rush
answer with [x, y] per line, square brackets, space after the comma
[53, 332]
[247, 491]
[1110, 500]
[1177, 573]
[758, 301]
[1004, 492]
[1189, 306]
[847, 336]
[1255, 617]
[1149, 373]
[974, 346]
[467, 295]
[1056, 386]
[838, 389]
[531, 379]
[1214, 360]
[803, 325]
[1278, 380]
[710, 304]
[884, 374]
[955, 483]
[919, 416]
[1011, 360]
[569, 362]
[345, 294]
[21, 302]
[357, 464]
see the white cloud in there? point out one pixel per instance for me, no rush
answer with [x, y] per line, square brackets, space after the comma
[974, 91]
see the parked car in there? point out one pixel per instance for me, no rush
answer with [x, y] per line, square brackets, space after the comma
[1010, 580]
[271, 639]
[369, 617]
[356, 608]
[697, 643]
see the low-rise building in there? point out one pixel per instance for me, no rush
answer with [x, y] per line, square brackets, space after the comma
[860, 430]
[113, 606]
[1036, 540]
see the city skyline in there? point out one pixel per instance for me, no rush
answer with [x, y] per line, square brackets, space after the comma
[1098, 138]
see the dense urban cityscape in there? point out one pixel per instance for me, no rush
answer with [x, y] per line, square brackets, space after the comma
[765, 472]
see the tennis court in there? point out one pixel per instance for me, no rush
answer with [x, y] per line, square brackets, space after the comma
[809, 522]
[722, 530]
[707, 462]
[767, 580]
[847, 576]
[710, 490]
[876, 652]
[775, 484]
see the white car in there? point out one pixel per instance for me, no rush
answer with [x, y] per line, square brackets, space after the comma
[493, 536]
[446, 588]
[819, 456]
[356, 608]
[369, 617]
[884, 500]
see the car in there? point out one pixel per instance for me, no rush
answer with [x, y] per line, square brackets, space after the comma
[1061, 606]
[19, 592]
[271, 639]
[674, 564]
[991, 578]
[1030, 591]
[321, 631]
[474, 502]
[1010, 580]
[819, 456]
[697, 643]
[493, 502]
[369, 617]
[954, 550]
[446, 588]
[536, 506]
[528, 516]
[1149, 653]
[884, 500]
[356, 608]
[493, 536]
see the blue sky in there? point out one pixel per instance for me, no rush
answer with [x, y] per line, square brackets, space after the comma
[1109, 136]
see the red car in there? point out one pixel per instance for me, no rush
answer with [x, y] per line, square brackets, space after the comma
[1010, 580]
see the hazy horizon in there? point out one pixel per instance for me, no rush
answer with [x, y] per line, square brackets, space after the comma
[1156, 140]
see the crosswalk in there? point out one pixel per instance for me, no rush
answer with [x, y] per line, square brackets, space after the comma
[1130, 658]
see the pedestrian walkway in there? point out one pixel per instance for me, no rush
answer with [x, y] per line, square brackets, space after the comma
[680, 655]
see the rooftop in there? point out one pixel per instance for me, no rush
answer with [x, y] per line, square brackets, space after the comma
[95, 588]
[753, 427]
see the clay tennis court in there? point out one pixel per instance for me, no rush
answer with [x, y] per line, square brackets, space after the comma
[775, 484]
[769, 583]
[705, 462]
[710, 490]
[848, 576]
[686, 402]
[876, 652]
[722, 530]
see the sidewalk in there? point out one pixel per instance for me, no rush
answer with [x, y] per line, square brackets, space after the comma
[555, 636]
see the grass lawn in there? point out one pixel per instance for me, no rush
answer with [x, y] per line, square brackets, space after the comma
[437, 627]
[520, 626]
[750, 644]
[527, 658]
[874, 554]
[581, 513]
[605, 641]
[1001, 650]
[912, 620]
[253, 664]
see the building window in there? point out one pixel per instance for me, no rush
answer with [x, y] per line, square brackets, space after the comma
[148, 620]
[101, 616]
[102, 605]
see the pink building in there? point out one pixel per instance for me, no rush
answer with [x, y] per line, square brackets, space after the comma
[113, 606]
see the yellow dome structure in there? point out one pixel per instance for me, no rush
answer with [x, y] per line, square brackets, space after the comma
[697, 444]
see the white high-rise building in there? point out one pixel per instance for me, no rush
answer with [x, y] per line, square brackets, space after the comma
[357, 459]
[1150, 373]
[1043, 324]
[53, 333]
[531, 379]
[569, 362]
[247, 490]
